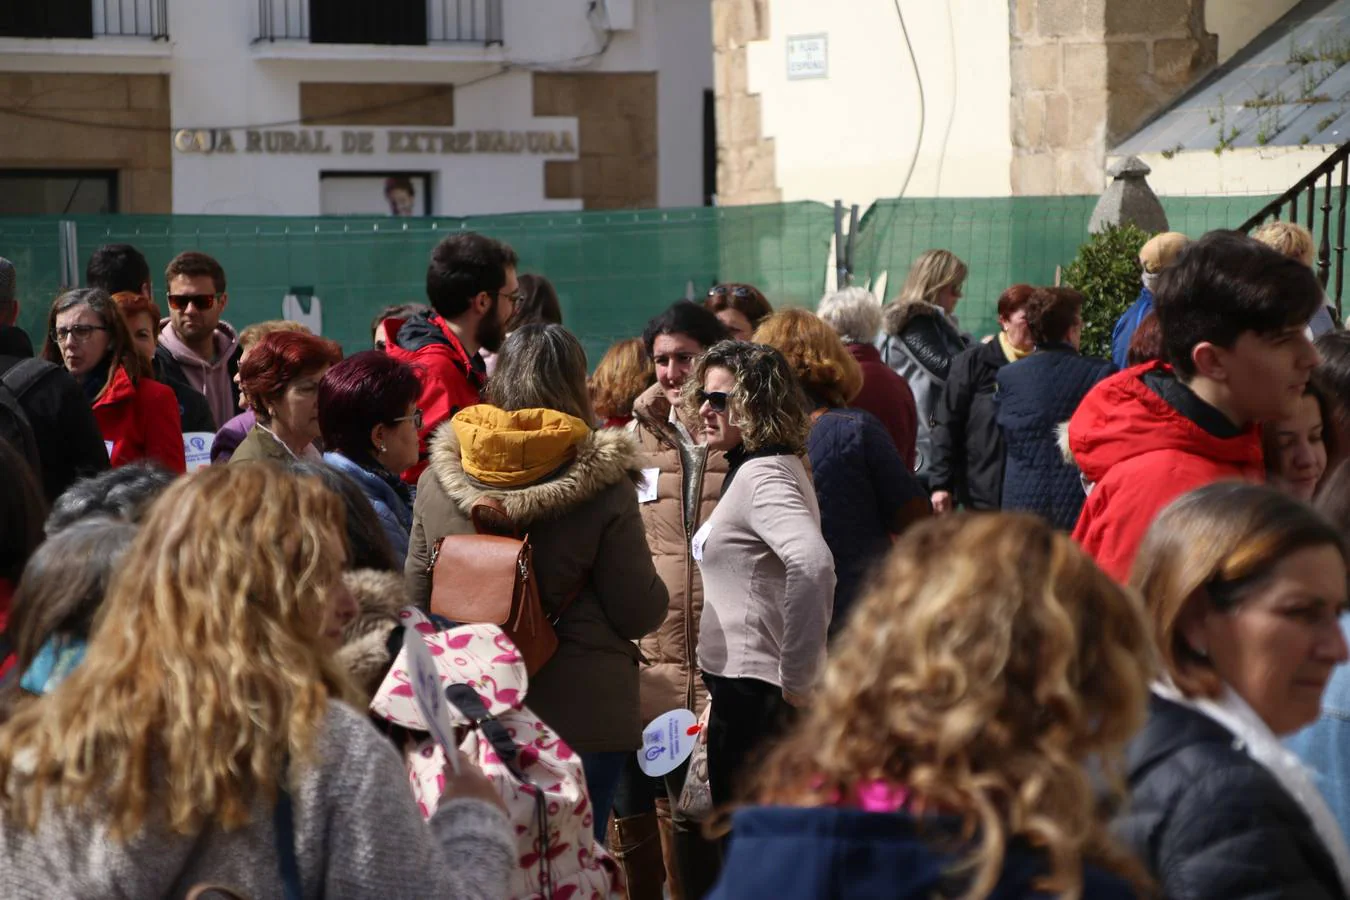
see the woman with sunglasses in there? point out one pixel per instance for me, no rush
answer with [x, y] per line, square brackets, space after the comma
[768, 576]
[369, 419]
[137, 415]
[739, 307]
[281, 379]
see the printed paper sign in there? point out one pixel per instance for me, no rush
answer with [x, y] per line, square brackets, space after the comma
[197, 447]
[426, 685]
[667, 741]
[646, 488]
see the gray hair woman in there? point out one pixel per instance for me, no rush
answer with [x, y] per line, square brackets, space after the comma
[768, 576]
[855, 314]
[531, 448]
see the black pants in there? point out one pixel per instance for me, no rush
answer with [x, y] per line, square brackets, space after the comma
[747, 715]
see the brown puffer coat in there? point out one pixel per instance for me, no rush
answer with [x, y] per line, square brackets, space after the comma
[669, 674]
[583, 523]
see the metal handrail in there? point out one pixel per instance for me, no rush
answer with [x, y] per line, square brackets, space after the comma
[1305, 191]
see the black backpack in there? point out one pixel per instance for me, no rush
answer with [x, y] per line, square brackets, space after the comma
[14, 424]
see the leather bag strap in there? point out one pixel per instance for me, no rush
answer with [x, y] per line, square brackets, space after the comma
[489, 516]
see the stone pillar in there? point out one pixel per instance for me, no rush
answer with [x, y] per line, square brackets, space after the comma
[1086, 73]
[1128, 199]
[746, 170]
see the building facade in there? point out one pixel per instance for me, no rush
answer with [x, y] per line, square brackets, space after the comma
[997, 98]
[309, 107]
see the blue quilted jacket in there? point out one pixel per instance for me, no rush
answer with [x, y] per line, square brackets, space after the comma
[1034, 395]
[863, 487]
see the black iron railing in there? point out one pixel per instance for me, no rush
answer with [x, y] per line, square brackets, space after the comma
[1300, 204]
[402, 22]
[85, 19]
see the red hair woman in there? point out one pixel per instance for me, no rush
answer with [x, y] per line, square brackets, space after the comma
[280, 377]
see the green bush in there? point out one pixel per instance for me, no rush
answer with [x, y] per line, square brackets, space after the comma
[1106, 272]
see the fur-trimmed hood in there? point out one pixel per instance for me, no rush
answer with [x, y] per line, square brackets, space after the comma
[365, 641]
[603, 458]
[899, 313]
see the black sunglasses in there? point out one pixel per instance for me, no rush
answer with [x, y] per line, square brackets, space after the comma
[180, 302]
[716, 399]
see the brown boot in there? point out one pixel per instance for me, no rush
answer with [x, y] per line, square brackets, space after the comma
[636, 847]
[692, 862]
[669, 854]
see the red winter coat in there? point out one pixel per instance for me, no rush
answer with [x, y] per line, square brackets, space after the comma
[1141, 454]
[451, 380]
[140, 421]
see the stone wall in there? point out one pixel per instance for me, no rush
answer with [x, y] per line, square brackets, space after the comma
[375, 104]
[745, 159]
[616, 130]
[1086, 73]
[137, 142]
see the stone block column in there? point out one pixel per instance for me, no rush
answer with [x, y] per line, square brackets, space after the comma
[746, 170]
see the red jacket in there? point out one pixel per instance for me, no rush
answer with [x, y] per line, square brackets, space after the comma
[140, 421]
[1140, 454]
[887, 396]
[451, 380]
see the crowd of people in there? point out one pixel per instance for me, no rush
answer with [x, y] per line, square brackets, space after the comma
[955, 617]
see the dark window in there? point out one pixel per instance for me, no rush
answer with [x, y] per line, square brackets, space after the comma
[364, 22]
[35, 192]
[46, 19]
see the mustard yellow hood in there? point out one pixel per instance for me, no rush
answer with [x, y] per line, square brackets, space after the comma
[509, 449]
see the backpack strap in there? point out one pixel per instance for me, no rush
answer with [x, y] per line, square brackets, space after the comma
[20, 377]
[489, 516]
[283, 823]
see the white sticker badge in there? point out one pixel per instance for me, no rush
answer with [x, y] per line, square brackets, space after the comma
[667, 741]
[197, 449]
[700, 538]
[646, 488]
[426, 685]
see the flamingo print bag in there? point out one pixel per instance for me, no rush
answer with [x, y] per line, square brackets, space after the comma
[539, 777]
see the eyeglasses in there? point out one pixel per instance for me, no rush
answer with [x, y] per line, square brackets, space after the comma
[722, 290]
[80, 333]
[180, 302]
[515, 297]
[716, 399]
[416, 419]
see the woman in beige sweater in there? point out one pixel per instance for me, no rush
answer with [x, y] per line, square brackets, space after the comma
[768, 576]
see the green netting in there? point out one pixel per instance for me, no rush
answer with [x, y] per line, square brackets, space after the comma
[613, 270]
[1004, 240]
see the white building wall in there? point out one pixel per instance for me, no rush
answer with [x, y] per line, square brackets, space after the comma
[853, 134]
[221, 78]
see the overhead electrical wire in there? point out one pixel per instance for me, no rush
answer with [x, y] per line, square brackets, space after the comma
[918, 79]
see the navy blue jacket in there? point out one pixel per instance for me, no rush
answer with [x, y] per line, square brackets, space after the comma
[811, 854]
[866, 493]
[1034, 395]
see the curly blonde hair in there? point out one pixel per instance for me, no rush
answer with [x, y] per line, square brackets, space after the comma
[767, 404]
[624, 372]
[827, 371]
[1288, 239]
[989, 659]
[204, 671]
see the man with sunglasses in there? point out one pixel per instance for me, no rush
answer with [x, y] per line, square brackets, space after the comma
[472, 287]
[206, 348]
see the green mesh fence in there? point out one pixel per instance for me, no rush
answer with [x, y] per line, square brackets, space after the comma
[613, 270]
[1004, 240]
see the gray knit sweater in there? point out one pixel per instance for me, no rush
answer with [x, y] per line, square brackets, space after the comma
[358, 833]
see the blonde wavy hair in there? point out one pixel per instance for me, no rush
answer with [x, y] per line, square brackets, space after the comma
[987, 662]
[205, 669]
[931, 272]
[767, 403]
[1288, 239]
[624, 372]
[827, 371]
